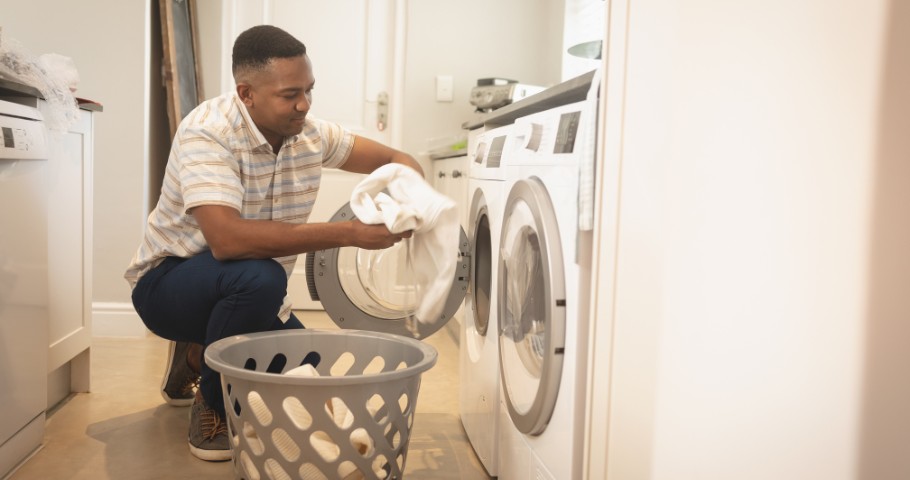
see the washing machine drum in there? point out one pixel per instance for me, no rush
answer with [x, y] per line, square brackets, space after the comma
[376, 290]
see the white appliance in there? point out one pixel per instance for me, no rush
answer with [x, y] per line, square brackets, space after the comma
[479, 342]
[24, 313]
[376, 290]
[492, 93]
[543, 295]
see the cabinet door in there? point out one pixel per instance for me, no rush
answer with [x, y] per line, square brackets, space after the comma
[69, 245]
[450, 177]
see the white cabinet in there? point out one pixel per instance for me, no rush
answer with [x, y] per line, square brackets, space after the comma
[70, 259]
[450, 177]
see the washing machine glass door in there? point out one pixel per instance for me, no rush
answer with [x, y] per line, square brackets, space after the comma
[481, 284]
[376, 290]
[531, 306]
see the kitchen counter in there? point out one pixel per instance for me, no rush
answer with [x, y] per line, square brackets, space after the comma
[570, 91]
[449, 153]
[14, 89]
[19, 93]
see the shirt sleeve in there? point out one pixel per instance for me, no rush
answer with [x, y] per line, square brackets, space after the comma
[337, 143]
[209, 173]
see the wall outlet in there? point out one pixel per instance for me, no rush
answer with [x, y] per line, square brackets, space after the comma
[444, 88]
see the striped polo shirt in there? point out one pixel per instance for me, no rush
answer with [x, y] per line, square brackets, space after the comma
[219, 157]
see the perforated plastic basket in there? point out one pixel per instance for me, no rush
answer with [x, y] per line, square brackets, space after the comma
[353, 420]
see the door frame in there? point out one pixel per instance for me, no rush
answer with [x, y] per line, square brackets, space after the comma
[254, 12]
[238, 15]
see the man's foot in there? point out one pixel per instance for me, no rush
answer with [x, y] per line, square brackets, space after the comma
[208, 437]
[180, 381]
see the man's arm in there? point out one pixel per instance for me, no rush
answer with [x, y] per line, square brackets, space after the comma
[368, 155]
[231, 237]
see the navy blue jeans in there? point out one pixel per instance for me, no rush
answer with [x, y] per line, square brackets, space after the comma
[202, 300]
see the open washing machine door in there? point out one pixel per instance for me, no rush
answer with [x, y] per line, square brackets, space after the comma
[375, 290]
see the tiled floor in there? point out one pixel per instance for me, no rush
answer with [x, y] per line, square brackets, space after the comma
[124, 430]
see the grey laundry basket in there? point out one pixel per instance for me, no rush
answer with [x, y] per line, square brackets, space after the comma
[353, 420]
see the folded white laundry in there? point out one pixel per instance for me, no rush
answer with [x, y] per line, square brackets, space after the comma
[413, 204]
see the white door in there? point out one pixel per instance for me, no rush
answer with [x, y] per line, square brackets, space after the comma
[352, 44]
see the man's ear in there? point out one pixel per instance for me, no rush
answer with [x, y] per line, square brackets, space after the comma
[244, 91]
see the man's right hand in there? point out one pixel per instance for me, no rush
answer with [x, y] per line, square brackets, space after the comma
[374, 237]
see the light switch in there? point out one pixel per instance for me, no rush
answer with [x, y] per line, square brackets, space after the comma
[444, 88]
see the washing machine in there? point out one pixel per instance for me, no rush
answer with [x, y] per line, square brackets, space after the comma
[377, 290]
[543, 296]
[479, 342]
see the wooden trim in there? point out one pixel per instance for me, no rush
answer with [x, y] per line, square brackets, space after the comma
[194, 28]
[170, 64]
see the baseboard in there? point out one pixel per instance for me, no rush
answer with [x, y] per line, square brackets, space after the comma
[116, 319]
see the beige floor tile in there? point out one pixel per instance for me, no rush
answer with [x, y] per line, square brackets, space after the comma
[124, 430]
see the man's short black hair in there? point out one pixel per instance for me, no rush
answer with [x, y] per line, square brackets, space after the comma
[255, 47]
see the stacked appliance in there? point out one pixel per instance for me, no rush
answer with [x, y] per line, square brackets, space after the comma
[24, 314]
[543, 295]
[479, 343]
[531, 182]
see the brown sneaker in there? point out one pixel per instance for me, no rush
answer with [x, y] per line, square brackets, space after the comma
[208, 437]
[180, 381]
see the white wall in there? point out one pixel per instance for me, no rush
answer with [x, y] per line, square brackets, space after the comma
[107, 40]
[467, 40]
[213, 60]
[757, 308]
[517, 39]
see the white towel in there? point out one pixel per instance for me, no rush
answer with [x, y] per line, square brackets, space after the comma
[588, 163]
[413, 204]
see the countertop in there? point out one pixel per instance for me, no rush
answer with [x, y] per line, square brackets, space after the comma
[450, 153]
[570, 91]
[10, 89]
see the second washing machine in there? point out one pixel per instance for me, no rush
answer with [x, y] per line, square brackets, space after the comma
[543, 296]
[479, 345]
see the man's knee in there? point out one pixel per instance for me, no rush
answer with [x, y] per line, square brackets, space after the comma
[265, 278]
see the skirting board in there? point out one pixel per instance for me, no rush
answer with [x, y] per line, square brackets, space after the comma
[116, 319]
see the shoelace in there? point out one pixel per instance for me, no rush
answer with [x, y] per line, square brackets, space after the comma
[190, 383]
[212, 425]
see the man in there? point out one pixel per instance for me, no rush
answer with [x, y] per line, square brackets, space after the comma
[241, 179]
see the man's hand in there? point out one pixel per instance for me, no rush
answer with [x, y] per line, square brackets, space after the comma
[374, 237]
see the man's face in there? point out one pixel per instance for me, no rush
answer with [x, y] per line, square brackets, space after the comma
[279, 97]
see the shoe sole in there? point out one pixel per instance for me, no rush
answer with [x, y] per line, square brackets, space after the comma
[174, 402]
[210, 455]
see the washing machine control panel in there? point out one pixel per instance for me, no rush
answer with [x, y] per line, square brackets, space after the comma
[547, 133]
[490, 157]
[566, 132]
